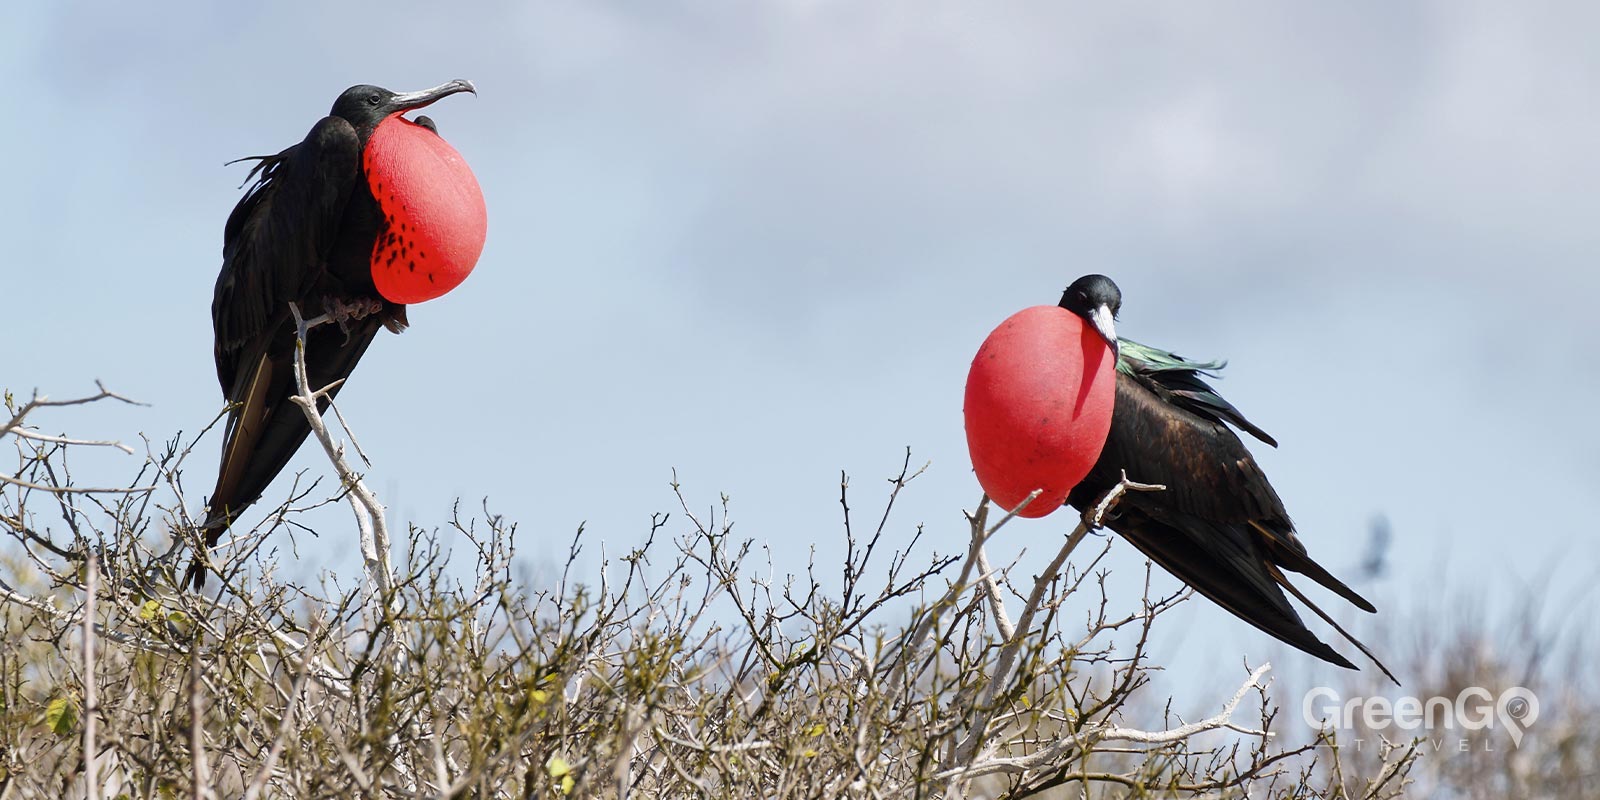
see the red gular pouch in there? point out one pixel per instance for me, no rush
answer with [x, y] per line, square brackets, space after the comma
[434, 217]
[1038, 407]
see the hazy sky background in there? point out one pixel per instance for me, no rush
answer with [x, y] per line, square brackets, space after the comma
[760, 242]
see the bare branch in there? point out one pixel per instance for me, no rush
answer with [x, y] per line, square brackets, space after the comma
[684, 667]
[91, 698]
[369, 512]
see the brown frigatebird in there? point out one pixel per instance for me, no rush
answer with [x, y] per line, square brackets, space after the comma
[337, 225]
[1219, 526]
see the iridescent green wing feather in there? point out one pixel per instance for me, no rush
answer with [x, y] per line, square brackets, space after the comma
[1178, 379]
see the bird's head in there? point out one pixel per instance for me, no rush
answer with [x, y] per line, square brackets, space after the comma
[1097, 300]
[365, 106]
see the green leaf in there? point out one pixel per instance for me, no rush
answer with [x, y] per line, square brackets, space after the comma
[61, 716]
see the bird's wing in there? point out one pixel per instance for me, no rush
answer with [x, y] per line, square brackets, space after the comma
[275, 247]
[1182, 382]
[1218, 526]
[1163, 392]
[1222, 564]
[1206, 469]
[277, 239]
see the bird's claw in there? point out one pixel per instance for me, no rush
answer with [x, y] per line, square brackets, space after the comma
[1092, 519]
[356, 309]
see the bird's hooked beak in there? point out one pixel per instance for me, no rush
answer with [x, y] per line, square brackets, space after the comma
[1105, 325]
[408, 101]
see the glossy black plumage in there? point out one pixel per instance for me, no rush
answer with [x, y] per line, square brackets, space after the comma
[1219, 526]
[303, 234]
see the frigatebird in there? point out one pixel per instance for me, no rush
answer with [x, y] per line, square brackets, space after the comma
[1219, 526]
[311, 231]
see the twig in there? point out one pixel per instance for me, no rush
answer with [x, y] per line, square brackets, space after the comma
[15, 425]
[922, 632]
[1221, 719]
[1006, 662]
[270, 763]
[42, 437]
[73, 489]
[986, 577]
[91, 695]
[200, 787]
[9, 594]
[1095, 517]
[1083, 740]
[43, 402]
[340, 415]
[368, 511]
[991, 587]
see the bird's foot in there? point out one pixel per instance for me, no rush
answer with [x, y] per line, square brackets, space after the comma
[358, 308]
[1093, 518]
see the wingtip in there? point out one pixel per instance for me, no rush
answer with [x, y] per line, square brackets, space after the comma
[1312, 646]
[1261, 435]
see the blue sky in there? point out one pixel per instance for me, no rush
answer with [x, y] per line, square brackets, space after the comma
[760, 242]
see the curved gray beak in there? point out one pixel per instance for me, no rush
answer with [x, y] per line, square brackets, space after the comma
[412, 100]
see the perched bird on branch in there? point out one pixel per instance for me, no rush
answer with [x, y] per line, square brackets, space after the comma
[1219, 526]
[1058, 408]
[369, 212]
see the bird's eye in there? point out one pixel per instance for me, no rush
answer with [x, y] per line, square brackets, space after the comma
[373, 100]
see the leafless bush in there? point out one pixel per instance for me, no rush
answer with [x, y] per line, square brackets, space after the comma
[1452, 644]
[678, 668]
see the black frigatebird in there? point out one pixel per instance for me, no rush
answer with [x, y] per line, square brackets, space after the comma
[318, 229]
[1219, 526]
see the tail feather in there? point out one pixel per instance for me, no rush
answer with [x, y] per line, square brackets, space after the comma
[1236, 579]
[1282, 581]
[1290, 554]
[1295, 558]
[266, 428]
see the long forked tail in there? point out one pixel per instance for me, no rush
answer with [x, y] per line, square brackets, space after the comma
[1277, 575]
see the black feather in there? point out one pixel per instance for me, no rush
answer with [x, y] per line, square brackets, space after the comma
[1219, 526]
[301, 234]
